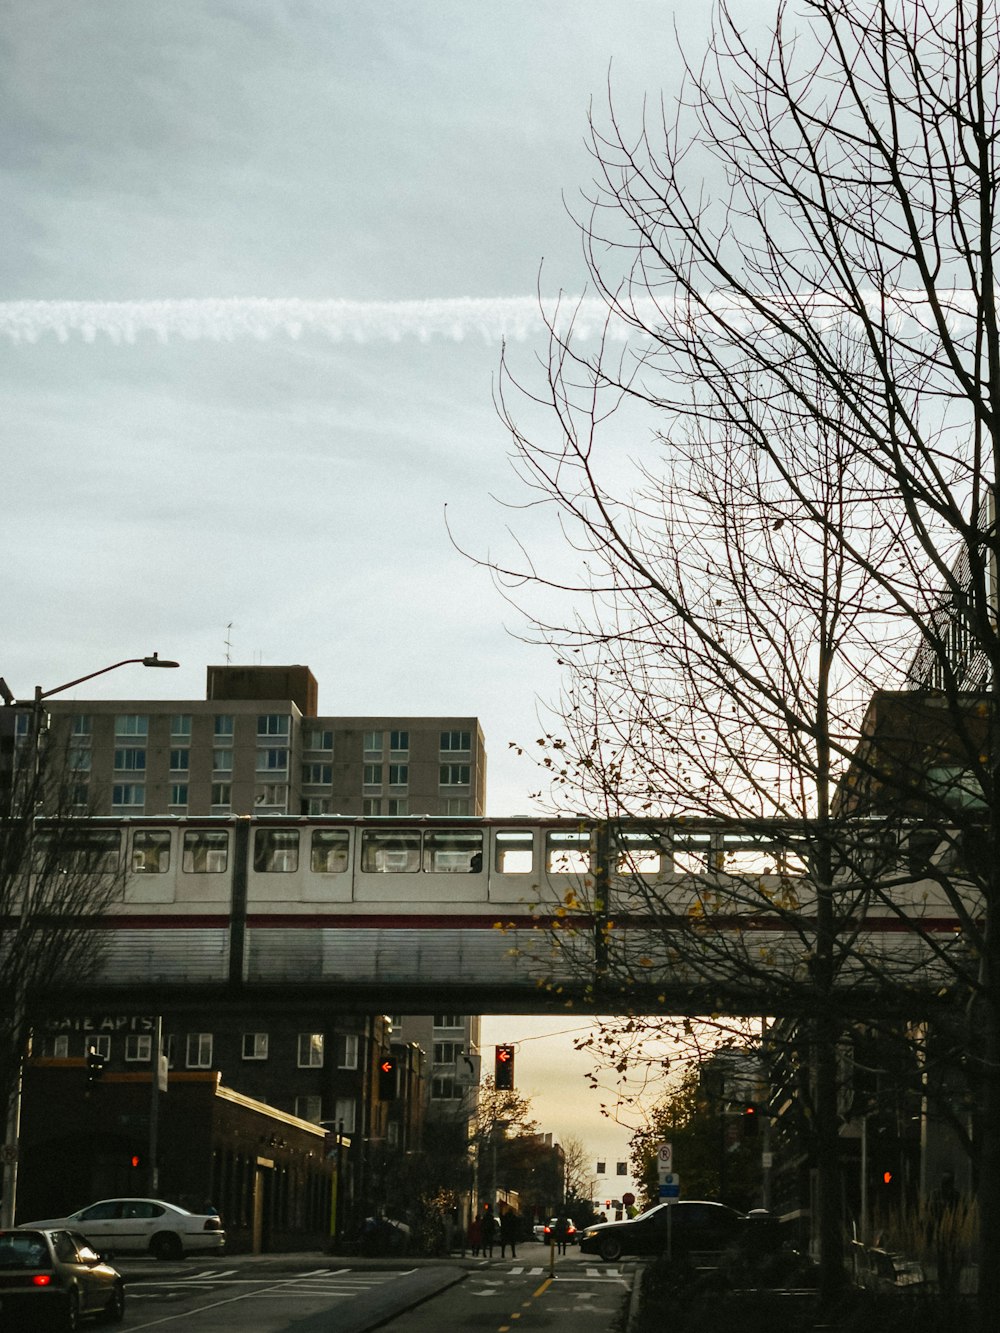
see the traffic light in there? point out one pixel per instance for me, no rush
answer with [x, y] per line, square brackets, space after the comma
[503, 1069]
[886, 1177]
[135, 1161]
[387, 1079]
[750, 1121]
[95, 1065]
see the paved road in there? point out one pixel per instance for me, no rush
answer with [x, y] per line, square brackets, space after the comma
[299, 1294]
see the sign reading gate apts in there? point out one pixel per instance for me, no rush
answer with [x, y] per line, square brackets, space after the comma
[664, 1159]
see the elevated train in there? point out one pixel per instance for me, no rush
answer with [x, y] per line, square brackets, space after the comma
[491, 911]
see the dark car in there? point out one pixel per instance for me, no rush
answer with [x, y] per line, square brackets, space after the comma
[687, 1225]
[550, 1231]
[53, 1279]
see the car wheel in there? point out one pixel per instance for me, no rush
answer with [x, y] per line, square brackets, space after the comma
[114, 1311]
[610, 1249]
[72, 1320]
[166, 1245]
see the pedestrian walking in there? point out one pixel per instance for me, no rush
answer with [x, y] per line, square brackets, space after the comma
[508, 1233]
[475, 1235]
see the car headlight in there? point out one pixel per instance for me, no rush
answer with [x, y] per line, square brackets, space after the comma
[589, 1235]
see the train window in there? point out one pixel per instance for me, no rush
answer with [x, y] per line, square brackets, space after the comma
[275, 850]
[150, 852]
[691, 854]
[387, 851]
[453, 851]
[330, 851]
[514, 852]
[567, 853]
[638, 854]
[206, 852]
[86, 851]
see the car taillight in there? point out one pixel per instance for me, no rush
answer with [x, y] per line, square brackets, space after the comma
[41, 1280]
[212, 1224]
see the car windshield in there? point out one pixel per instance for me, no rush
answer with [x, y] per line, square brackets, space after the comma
[24, 1249]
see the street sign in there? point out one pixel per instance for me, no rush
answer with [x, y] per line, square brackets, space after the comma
[670, 1189]
[664, 1159]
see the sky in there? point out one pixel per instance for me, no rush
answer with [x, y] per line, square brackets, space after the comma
[258, 259]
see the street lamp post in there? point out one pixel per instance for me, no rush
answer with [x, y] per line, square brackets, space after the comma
[11, 1146]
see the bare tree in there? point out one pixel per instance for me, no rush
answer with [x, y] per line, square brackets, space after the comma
[801, 257]
[58, 877]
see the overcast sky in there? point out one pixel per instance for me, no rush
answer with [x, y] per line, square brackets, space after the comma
[167, 480]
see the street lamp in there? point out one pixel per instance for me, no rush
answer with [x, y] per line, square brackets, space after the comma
[11, 1145]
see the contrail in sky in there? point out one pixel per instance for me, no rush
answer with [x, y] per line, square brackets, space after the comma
[223, 320]
[488, 318]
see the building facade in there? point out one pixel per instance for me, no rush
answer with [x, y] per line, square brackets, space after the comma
[257, 745]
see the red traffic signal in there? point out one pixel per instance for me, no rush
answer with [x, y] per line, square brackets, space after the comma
[387, 1080]
[503, 1068]
[886, 1177]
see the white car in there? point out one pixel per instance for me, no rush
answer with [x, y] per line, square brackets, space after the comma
[143, 1226]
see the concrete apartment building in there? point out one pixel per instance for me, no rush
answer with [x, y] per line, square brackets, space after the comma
[257, 745]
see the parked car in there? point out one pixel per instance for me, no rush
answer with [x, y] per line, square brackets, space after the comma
[141, 1226]
[690, 1225]
[53, 1279]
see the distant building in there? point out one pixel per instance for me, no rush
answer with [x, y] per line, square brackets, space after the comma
[257, 745]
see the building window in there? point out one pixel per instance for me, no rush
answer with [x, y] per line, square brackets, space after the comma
[272, 724]
[222, 794]
[272, 761]
[223, 724]
[199, 1050]
[60, 1048]
[372, 775]
[371, 805]
[271, 797]
[80, 794]
[255, 1046]
[454, 775]
[138, 1048]
[222, 761]
[180, 726]
[447, 1052]
[348, 1058]
[449, 1021]
[127, 797]
[452, 741]
[100, 1045]
[398, 805]
[180, 761]
[399, 742]
[80, 725]
[445, 1089]
[310, 1050]
[79, 759]
[399, 775]
[317, 805]
[317, 775]
[372, 743]
[309, 1108]
[457, 805]
[206, 851]
[346, 1114]
[319, 740]
[131, 724]
[179, 793]
[130, 761]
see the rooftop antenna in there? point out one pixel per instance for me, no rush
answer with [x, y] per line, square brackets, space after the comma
[228, 644]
